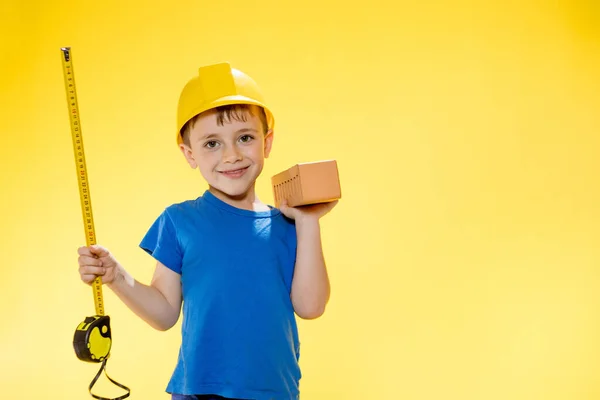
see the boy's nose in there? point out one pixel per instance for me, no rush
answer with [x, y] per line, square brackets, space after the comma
[231, 154]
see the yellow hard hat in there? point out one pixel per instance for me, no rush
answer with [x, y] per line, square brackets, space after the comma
[218, 85]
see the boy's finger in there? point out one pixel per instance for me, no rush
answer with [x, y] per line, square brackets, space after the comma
[84, 251]
[84, 271]
[90, 260]
[88, 278]
[99, 251]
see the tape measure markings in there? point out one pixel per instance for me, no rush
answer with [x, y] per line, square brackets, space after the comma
[82, 177]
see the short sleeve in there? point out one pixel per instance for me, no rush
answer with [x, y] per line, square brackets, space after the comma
[161, 243]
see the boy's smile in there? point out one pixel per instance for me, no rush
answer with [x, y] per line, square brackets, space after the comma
[235, 173]
[230, 155]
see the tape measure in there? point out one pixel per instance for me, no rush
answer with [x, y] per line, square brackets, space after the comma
[92, 340]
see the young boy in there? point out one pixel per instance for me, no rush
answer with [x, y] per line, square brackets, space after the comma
[238, 268]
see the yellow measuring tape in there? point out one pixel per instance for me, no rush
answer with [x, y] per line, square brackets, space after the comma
[92, 340]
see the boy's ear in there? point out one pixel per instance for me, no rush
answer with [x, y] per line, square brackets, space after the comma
[189, 156]
[268, 143]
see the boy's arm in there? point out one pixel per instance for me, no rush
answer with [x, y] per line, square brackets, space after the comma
[159, 303]
[310, 285]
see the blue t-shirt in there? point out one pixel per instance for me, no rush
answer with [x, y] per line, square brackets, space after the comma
[239, 332]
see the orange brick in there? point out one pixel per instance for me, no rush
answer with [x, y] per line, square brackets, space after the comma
[307, 183]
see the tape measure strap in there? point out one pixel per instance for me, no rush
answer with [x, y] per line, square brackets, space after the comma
[82, 176]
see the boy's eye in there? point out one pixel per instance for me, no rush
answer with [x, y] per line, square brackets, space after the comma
[246, 138]
[211, 144]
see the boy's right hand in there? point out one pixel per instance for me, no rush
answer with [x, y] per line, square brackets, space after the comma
[96, 261]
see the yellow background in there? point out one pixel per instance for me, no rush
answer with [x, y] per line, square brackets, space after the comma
[464, 255]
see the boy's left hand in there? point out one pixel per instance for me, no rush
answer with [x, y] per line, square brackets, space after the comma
[315, 211]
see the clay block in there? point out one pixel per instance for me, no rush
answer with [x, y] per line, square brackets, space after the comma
[307, 183]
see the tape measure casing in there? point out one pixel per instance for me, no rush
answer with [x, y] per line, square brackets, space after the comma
[92, 340]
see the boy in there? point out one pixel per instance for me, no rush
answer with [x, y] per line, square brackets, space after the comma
[238, 268]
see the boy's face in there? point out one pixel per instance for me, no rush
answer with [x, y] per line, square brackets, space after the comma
[230, 157]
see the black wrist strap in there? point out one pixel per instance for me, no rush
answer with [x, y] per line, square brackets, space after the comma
[103, 368]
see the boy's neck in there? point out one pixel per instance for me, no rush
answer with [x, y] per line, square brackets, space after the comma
[246, 201]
